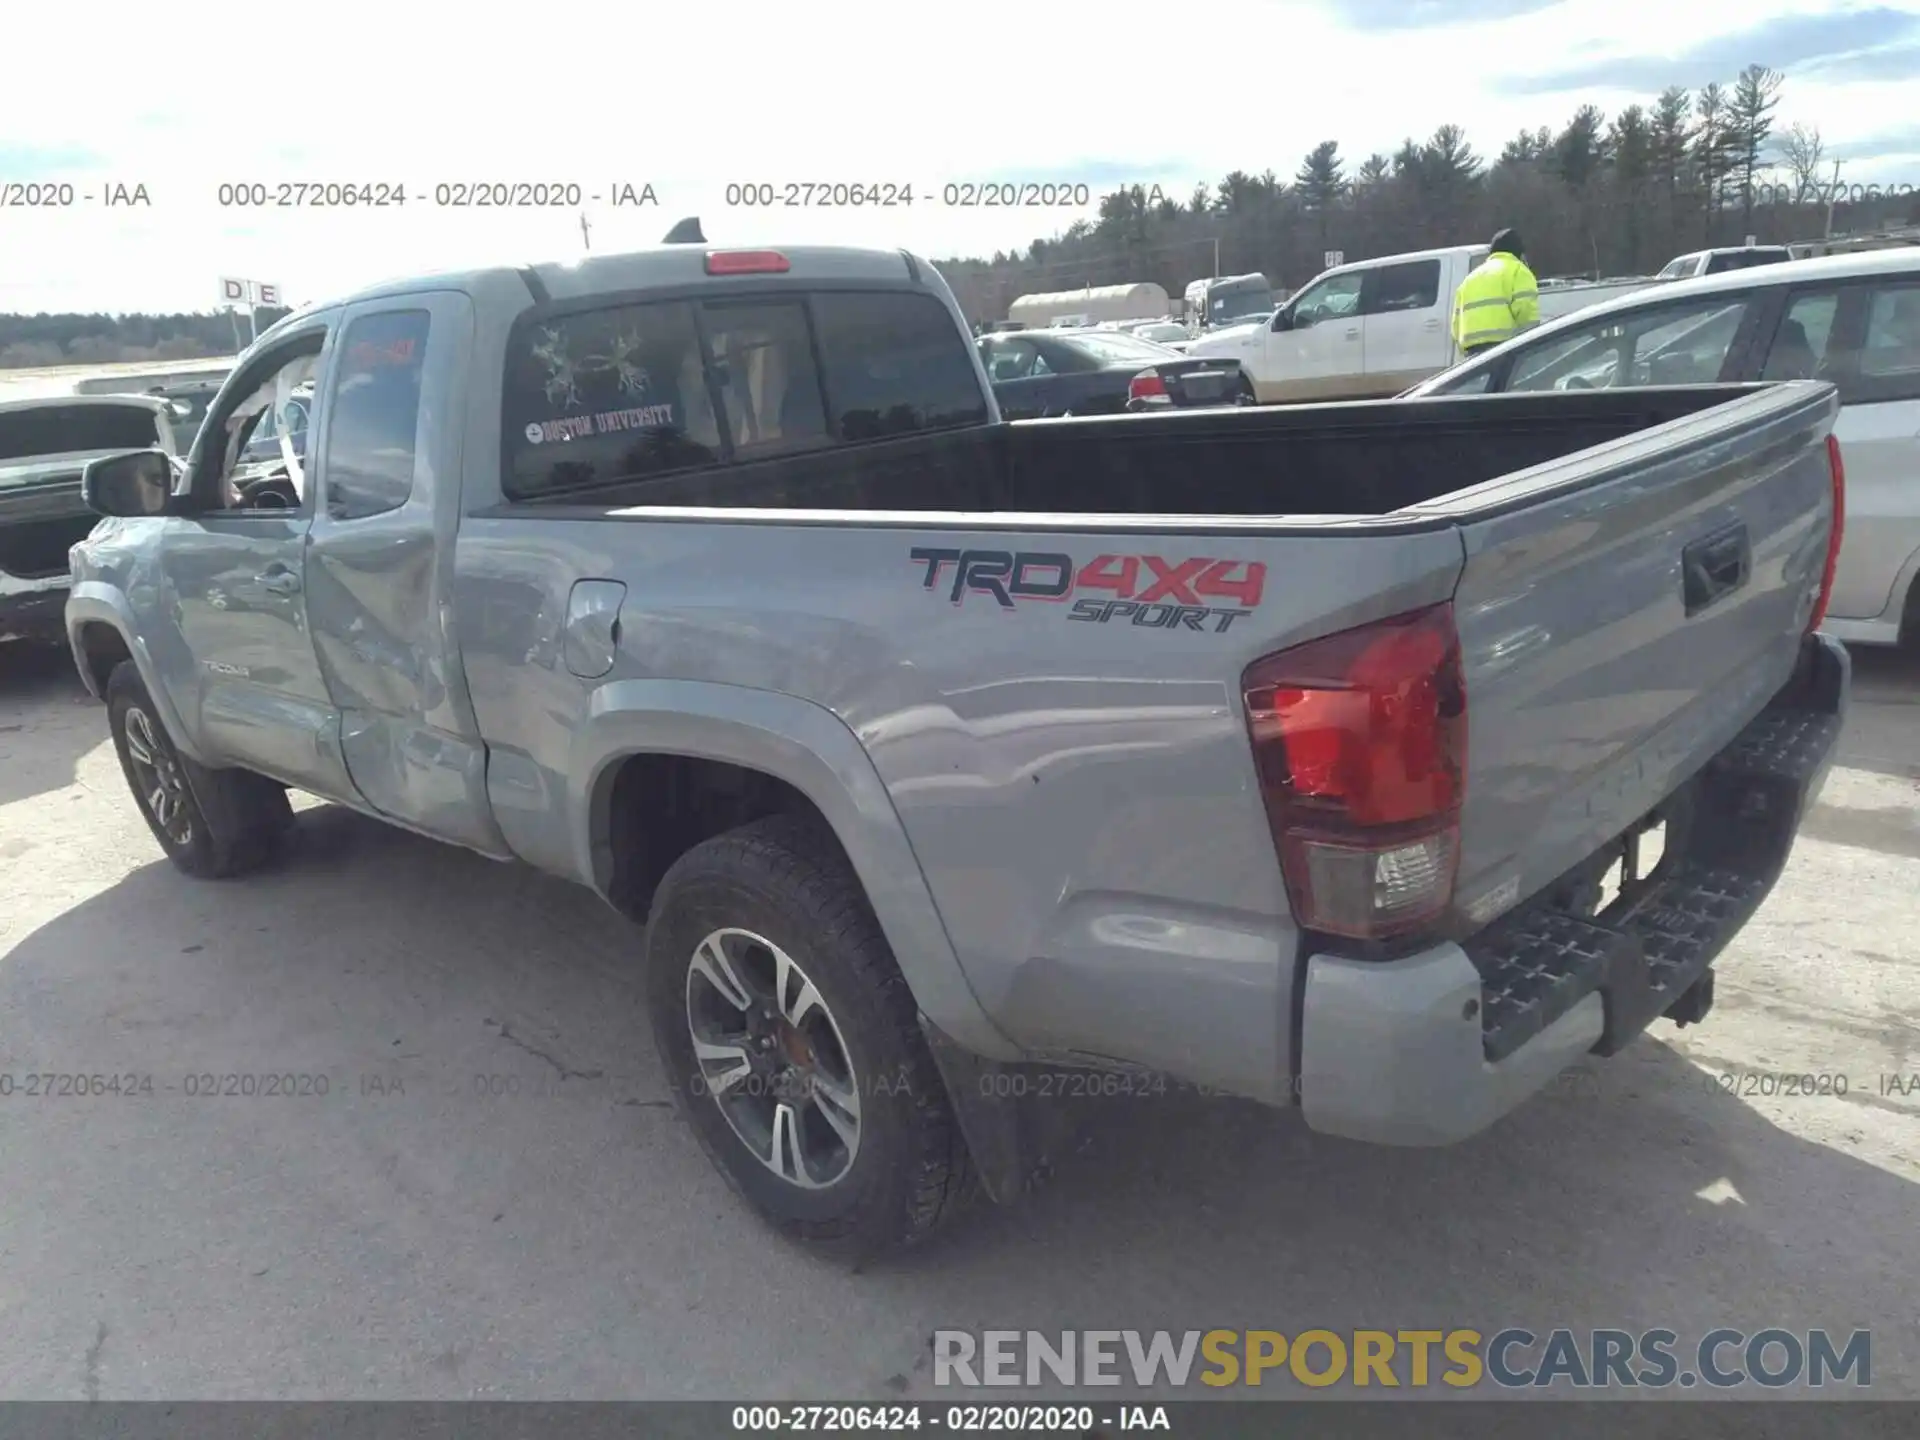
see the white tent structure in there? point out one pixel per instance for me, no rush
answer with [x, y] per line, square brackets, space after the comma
[1102, 302]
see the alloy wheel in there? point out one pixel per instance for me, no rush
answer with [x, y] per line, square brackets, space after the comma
[160, 785]
[772, 1056]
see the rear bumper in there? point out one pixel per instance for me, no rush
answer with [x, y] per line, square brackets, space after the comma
[33, 608]
[1433, 1047]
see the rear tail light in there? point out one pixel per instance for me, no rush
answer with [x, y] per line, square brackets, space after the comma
[746, 262]
[1838, 467]
[1147, 385]
[1360, 745]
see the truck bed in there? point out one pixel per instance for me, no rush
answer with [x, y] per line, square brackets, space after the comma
[1364, 458]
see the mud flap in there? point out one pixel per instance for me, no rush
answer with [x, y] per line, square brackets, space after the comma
[1015, 1139]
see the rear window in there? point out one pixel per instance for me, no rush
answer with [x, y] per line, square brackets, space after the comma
[1120, 349]
[895, 365]
[1744, 260]
[604, 396]
[611, 396]
[66, 429]
[763, 367]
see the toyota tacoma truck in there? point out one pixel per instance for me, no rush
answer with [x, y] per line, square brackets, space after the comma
[45, 445]
[1316, 755]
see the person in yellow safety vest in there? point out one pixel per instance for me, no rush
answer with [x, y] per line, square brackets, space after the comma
[1498, 299]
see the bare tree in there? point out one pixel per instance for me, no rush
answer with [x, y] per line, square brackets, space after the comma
[1804, 155]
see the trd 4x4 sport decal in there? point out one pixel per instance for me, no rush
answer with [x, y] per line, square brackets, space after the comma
[1144, 590]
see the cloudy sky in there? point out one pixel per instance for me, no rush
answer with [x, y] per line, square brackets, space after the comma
[689, 98]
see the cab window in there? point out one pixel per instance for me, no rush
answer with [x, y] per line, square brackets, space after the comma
[252, 450]
[1388, 289]
[374, 414]
[1334, 298]
[1863, 337]
[1889, 362]
[1799, 348]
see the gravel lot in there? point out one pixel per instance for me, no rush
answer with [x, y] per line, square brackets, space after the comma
[409, 1235]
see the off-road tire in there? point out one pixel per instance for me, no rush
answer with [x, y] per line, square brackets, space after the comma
[237, 821]
[786, 879]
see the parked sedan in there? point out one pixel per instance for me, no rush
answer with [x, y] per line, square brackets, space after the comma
[1095, 372]
[1160, 332]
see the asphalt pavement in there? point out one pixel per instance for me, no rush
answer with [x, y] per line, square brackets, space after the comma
[494, 1198]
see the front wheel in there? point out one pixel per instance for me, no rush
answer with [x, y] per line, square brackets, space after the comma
[211, 823]
[793, 1046]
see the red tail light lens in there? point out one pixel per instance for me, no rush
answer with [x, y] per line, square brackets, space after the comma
[1839, 468]
[1147, 386]
[1360, 745]
[746, 262]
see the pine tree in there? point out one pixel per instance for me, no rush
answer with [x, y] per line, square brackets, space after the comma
[1581, 149]
[1756, 94]
[1710, 151]
[1630, 145]
[1321, 180]
[1321, 183]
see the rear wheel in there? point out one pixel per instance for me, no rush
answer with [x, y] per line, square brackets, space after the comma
[793, 1045]
[211, 823]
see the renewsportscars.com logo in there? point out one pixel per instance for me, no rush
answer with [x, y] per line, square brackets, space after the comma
[1511, 1358]
[1149, 591]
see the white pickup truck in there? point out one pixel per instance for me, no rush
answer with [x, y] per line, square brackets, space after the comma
[1372, 328]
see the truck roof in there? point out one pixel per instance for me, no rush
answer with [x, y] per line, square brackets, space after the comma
[1441, 253]
[655, 267]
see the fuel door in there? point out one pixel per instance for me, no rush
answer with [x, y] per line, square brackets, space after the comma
[593, 627]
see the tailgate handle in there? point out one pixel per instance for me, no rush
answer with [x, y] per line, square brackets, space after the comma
[1716, 566]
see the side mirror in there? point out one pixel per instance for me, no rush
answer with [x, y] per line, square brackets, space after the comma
[1283, 320]
[138, 483]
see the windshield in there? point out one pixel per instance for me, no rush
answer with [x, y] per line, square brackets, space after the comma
[194, 403]
[1746, 259]
[1121, 349]
[1239, 306]
[1656, 348]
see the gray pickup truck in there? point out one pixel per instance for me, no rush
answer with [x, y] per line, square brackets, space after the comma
[1316, 755]
[45, 446]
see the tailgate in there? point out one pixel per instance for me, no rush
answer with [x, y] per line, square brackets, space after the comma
[1623, 614]
[42, 515]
